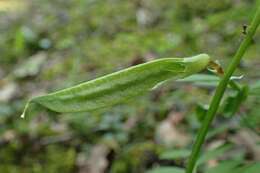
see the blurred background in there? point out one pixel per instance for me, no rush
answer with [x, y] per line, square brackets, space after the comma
[53, 44]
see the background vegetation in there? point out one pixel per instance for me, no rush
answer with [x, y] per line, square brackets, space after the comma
[52, 44]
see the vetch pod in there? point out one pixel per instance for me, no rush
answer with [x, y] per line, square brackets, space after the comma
[117, 87]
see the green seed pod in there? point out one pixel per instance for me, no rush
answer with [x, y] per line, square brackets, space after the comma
[120, 86]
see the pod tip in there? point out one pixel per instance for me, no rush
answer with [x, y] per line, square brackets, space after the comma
[25, 109]
[22, 116]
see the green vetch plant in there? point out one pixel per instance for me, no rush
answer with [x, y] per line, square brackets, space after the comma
[117, 87]
[214, 105]
[129, 83]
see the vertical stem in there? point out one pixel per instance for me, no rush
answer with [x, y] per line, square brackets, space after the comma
[220, 91]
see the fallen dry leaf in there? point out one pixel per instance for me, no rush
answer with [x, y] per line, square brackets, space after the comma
[96, 162]
[168, 134]
[8, 91]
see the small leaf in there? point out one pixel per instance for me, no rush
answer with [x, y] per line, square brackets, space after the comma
[202, 80]
[175, 154]
[224, 167]
[201, 111]
[234, 166]
[252, 168]
[233, 103]
[214, 153]
[120, 86]
[207, 80]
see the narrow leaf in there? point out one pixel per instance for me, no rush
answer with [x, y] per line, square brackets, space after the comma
[224, 167]
[202, 80]
[233, 103]
[175, 154]
[249, 168]
[201, 111]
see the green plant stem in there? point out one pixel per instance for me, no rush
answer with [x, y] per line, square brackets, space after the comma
[220, 92]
